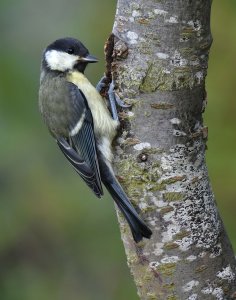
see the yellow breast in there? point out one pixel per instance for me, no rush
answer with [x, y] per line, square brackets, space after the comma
[104, 125]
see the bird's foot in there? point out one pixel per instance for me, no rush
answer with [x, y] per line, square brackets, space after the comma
[114, 100]
[101, 84]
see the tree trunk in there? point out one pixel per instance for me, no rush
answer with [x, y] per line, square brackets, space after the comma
[157, 56]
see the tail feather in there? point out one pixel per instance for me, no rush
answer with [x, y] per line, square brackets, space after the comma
[138, 228]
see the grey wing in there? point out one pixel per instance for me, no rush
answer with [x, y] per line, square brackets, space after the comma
[80, 149]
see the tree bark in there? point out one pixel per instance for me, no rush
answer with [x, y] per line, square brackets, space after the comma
[158, 56]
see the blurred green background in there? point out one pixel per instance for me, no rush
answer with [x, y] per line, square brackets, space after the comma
[56, 240]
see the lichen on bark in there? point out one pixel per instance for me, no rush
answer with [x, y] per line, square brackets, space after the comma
[158, 55]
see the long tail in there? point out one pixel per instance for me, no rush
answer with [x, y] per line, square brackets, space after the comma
[138, 228]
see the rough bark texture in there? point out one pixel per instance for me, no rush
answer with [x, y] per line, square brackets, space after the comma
[158, 57]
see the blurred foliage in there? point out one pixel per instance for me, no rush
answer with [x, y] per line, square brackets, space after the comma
[57, 241]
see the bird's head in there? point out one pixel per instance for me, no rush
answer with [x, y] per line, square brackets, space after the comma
[67, 54]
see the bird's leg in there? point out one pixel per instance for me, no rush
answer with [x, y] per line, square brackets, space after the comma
[111, 95]
[101, 84]
[113, 100]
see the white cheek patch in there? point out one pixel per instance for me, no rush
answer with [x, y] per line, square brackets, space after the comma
[60, 61]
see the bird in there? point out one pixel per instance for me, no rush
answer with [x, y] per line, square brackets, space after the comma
[81, 124]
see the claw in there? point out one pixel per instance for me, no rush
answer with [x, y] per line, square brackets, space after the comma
[120, 102]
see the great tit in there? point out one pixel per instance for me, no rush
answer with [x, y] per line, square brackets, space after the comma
[79, 120]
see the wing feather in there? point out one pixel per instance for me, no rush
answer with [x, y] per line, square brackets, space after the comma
[80, 166]
[80, 147]
[85, 145]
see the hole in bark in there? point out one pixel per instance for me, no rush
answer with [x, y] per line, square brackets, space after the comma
[143, 157]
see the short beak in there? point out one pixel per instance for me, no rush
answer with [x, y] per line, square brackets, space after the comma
[89, 58]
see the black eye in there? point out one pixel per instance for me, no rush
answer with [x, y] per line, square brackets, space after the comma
[70, 51]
